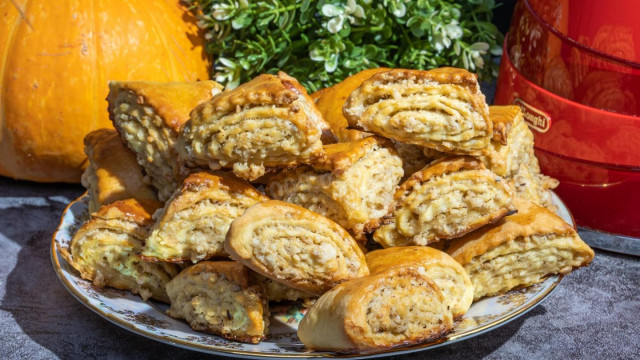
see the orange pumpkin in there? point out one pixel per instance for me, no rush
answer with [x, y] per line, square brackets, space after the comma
[55, 60]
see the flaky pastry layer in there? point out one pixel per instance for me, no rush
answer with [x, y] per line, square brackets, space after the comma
[105, 250]
[448, 199]
[441, 109]
[193, 223]
[446, 273]
[268, 122]
[217, 297]
[294, 246]
[148, 116]
[358, 191]
[394, 307]
[519, 250]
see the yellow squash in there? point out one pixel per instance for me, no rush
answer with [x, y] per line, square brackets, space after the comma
[55, 60]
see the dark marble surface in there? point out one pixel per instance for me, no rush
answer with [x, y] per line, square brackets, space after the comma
[592, 314]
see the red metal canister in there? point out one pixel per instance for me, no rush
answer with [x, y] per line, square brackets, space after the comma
[574, 68]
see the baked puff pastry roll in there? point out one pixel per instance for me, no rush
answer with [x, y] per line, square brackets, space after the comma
[353, 185]
[510, 154]
[194, 221]
[448, 274]
[105, 250]
[294, 246]
[217, 297]
[268, 122]
[331, 100]
[148, 116]
[442, 109]
[447, 199]
[113, 173]
[520, 250]
[395, 307]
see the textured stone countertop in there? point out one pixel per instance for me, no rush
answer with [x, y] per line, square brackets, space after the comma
[594, 312]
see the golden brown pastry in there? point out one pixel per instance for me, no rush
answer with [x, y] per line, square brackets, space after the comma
[105, 250]
[520, 250]
[441, 109]
[447, 199]
[217, 297]
[510, 154]
[353, 185]
[452, 280]
[148, 116]
[294, 246]
[315, 96]
[269, 122]
[512, 143]
[397, 306]
[331, 100]
[194, 221]
[113, 173]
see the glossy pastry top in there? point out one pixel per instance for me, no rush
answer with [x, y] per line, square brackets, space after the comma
[138, 211]
[531, 219]
[398, 256]
[339, 157]
[117, 174]
[440, 167]
[265, 90]
[315, 96]
[331, 100]
[204, 180]
[234, 271]
[172, 100]
[504, 118]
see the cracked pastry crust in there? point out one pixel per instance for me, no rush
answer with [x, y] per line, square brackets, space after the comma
[113, 173]
[520, 250]
[510, 154]
[194, 222]
[413, 158]
[447, 199]
[353, 185]
[331, 100]
[277, 292]
[105, 250]
[294, 246]
[217, 297]
[442, 109]
[395, 307]
[448, 274]
[148, 116]
[268, 122]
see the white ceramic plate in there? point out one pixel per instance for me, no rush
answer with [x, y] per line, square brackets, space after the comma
[149, 319]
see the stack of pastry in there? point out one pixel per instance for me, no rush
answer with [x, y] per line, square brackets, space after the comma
[271, 195]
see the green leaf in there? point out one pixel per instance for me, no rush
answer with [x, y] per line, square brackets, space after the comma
[250, 37]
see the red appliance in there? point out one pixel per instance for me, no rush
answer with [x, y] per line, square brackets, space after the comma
[574, 68]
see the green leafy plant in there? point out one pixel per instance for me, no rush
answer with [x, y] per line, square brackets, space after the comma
[322, 42]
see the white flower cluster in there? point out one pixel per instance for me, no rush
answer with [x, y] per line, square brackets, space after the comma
[474, 58]
[225, 11]
[397, 7]
[228, 72]
[443, 34]
[339, 13]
